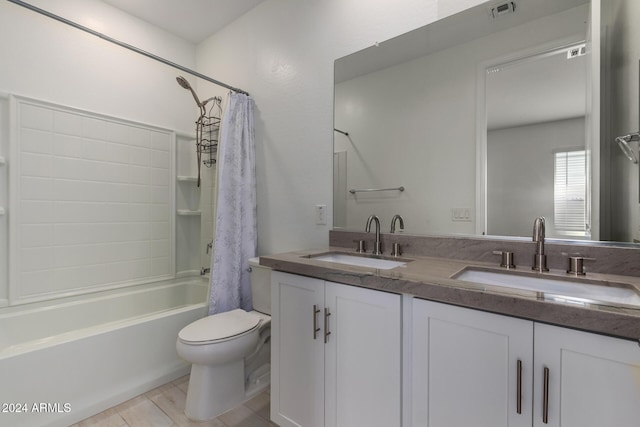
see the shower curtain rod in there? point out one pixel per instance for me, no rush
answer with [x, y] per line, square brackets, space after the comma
[125, 45]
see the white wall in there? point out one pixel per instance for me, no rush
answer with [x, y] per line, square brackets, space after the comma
[282, 52]
[48, 60]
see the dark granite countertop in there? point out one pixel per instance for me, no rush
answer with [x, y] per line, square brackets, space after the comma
[431, 278]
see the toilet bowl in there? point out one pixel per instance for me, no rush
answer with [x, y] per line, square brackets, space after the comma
[229, 353]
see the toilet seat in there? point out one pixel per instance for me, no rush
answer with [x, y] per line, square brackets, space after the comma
[219, 327]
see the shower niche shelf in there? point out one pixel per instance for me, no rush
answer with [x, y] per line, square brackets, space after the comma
[187, 209]
[187, 212]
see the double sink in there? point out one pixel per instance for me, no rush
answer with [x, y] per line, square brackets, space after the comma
[551, 287]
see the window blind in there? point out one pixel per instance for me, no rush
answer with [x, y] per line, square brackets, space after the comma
[570, 191]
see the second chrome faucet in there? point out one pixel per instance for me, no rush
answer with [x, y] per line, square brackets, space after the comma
[539, 259]
[377, 247]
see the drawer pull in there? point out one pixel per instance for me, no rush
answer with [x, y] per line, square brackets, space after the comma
[326, 325]
[316, 310]
[545, 397]
[519, 388]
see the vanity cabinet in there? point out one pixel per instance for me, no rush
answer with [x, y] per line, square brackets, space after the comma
[475, 368]
[593, 380]
[336, 354]
[470, 368]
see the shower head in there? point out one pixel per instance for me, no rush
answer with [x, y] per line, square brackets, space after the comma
[185, 84]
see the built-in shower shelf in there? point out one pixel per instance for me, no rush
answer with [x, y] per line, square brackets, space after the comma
[184, 178]
[187, 212]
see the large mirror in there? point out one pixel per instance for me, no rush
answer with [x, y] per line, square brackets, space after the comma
[484, 120]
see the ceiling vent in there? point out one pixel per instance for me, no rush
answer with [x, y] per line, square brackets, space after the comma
[575, 51]
[501, 9]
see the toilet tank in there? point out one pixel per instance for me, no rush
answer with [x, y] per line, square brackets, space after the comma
[260, 286]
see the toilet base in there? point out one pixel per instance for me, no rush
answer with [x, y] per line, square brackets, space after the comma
[214, 390]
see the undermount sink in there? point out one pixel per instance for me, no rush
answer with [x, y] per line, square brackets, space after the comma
[580, 291]
[371, 261]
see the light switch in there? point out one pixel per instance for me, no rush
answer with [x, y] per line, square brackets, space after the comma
[321, 214]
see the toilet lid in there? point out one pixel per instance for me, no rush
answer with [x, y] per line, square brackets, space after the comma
[219, 326]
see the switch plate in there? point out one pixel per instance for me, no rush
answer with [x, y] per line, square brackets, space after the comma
[461, 214]
[321, 214]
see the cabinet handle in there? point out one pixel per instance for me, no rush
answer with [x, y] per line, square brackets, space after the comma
[545, 397]
[326, 325]
[316, 310]
[519, 388]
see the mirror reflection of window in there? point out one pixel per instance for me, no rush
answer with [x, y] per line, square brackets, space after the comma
[535, 108]
[569, 193]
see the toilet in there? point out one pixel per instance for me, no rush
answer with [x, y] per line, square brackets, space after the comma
[229, 352]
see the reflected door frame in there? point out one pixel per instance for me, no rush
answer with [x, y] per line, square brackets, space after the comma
[592, 119]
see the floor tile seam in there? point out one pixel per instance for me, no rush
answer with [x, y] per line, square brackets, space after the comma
[144, 396]
[175, 423]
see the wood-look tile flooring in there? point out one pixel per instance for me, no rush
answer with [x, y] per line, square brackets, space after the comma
[164, 407]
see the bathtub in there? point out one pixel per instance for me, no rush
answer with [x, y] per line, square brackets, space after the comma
[68, 360]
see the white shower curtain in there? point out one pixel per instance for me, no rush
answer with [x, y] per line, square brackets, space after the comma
[235, 238]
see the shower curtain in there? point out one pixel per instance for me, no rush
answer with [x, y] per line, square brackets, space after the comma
[235, 238]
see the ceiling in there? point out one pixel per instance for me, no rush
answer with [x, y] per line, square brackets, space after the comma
[537, 89]
[192, 20]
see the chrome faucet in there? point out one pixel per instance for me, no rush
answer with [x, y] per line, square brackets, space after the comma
[395, 218]
[377, 247]
[539, 259]
[395, 248]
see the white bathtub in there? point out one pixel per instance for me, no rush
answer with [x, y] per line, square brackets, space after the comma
[63, 362]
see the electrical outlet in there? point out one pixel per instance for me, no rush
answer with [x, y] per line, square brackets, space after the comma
[321, 214]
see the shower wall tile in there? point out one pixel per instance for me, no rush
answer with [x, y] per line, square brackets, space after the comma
[36, 235]
[36, 141]
[36, 117]
[69, 146]
[139, 156]
[94, 207]
[160, 142]
[36, 165]
[139, 175]
[159, 177]
[160, 159]
[67, 123]
[36, 211]
[36, 188]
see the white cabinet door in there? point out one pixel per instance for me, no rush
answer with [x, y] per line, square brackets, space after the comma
[297, 380]
[593, 380]
[339, 367]
[466, 366]
[362, 357]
